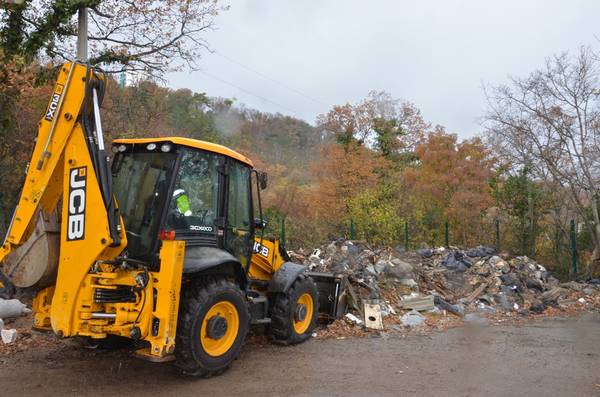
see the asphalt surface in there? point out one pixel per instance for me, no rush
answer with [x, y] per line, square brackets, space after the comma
[542, 358]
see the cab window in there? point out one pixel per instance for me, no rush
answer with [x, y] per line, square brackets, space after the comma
[193, 206]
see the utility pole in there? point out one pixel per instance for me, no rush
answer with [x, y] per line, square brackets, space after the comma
[82, 35]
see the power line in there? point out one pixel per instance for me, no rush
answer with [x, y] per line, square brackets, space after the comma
[249, 92]
[264, 76]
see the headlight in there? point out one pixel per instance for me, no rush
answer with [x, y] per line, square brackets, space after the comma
[151, 146]
[165, 148]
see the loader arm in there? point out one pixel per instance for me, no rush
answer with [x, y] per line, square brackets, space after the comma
[60, 130]
[68, 162]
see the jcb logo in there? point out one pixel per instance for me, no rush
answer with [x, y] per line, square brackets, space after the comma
[76, 217]
[51, 112]
[261, 249]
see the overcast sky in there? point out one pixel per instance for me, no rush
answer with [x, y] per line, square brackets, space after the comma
[300, 57]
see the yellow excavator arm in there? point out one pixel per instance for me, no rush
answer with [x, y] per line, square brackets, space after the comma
[67, 158]
[66, 236]
[45, 243]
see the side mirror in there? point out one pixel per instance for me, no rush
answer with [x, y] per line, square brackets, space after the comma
[261, 224]
[262, 180]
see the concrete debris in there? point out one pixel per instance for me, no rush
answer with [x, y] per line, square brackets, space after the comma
[8, 336]
[373, 318]
[445, 281]
[458, 309]
[10, 308]
[457, 261]
[589, 291]
[481, 251]
[425, 252]
[352, 318]
[418, 303]
[412, 319]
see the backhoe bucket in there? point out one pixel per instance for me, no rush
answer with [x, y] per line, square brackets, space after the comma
[34, 263]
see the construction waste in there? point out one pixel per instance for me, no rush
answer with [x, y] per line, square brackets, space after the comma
[10, 308]
[442, 287]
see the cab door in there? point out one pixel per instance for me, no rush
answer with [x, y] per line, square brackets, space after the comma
[238, 235]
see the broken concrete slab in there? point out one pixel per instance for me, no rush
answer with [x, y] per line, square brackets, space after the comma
[353, 319]
[418, 303]
[398, 269]
[412, 319]
[457, 309]
[8, 336]
[373, 318]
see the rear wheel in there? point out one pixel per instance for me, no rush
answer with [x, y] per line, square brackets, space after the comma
[212, 326]
[294, 313]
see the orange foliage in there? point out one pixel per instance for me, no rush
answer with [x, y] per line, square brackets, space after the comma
[453, 179]
[342, 174]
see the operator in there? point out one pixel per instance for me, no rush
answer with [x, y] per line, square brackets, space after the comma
[182, 202]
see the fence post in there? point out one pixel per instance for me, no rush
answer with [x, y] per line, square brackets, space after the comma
[282, 233]
[446, 234]
[406, 235]
[352, 230]
[497, 225]
[573, 249]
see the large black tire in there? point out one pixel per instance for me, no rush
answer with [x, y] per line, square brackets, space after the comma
[198, 298]
[288, 326]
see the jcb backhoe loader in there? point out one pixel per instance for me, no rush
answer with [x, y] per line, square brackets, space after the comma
[160, 246]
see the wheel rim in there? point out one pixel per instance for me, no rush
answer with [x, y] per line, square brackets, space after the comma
[305, 303]
[222, 312]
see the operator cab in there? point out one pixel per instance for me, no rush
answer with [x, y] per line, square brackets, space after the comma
[183, 189]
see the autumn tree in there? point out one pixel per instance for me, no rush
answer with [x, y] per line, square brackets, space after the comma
[342, 173]
[377, 120]
[146, 36]
[450, 183]
[551, 120]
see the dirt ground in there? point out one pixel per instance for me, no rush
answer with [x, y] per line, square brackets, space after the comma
[559, 357]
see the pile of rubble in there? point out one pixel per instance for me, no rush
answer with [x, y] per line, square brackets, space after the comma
[392, 288]
[10, 309]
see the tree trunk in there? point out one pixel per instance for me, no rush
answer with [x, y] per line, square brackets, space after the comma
[595, 260]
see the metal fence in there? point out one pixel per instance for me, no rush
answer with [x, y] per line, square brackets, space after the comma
[492, 237]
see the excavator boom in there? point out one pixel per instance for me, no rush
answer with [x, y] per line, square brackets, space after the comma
[66, 237]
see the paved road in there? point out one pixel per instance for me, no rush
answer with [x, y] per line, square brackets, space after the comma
[544, 358]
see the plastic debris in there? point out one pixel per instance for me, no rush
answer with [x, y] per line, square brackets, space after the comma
[10, 308]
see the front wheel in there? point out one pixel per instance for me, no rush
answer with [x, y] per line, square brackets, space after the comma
[294, 313]
[212, 326]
